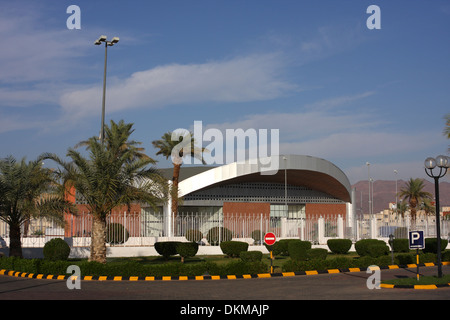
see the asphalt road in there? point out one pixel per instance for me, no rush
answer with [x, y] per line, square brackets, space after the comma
[281, 293]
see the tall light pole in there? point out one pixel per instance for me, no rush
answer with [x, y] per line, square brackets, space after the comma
[443, 163]
[285, 187]
[107, 44]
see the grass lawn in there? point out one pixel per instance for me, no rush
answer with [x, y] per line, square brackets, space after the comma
[422, 280]
[218, 259]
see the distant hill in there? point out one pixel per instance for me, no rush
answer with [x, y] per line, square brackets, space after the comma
[384, 192]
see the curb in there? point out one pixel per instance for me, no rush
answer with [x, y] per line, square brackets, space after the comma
[232, 277]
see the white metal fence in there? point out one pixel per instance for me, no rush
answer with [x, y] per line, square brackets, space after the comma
[135, 229]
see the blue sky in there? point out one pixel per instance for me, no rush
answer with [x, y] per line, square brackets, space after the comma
[312, 69]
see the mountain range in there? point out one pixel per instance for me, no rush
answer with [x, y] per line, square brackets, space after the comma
[384, 193]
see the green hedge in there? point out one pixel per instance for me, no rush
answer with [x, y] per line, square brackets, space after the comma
[251, 256]
[371, 247]
[233, 248]
[339, 246]
[214, 233]
[194, 235]
[116, 233]
[431, 245]
[317, 253]
[298, 249]
[167, 248]
[56, 249]
[187, 249]
[400, 245]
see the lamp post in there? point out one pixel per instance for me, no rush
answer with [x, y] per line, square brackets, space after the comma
[443, 163]
[107, 44]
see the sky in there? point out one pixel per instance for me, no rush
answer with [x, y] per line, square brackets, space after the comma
[313, 70]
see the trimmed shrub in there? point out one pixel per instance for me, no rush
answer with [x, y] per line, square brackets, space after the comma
[166, 248]
[194, 235]
[187, 250]
[431, 245]
[281, 247]
[445, 256]
[251, 256]
[376, 250]
[298, 249]
[116, 233]
[361, 246]
[317, 253]
[404, 259]
[56, 249]
[233, 248]
[215, 232]
[339, 246]
[400, 245]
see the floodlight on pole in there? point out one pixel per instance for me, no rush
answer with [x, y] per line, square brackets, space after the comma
[99, 41]
[443, 163]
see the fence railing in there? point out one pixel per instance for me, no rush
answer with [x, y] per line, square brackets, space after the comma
[135, 229]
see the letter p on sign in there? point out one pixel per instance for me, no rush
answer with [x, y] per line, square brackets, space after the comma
[416, 240]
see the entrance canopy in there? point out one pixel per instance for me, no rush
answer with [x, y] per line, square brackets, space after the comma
[300, 170]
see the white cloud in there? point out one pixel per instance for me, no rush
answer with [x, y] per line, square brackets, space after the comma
[249, 78]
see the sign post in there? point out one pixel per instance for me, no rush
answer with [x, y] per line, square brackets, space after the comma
[270, 239]
[416, 241]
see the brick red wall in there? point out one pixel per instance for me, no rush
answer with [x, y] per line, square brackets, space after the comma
[325, 209]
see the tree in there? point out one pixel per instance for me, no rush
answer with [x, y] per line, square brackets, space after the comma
[414, 194]
[27, 190]
[176, 149]
[116, 173]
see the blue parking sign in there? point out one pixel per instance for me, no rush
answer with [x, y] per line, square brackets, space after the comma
[416, 240]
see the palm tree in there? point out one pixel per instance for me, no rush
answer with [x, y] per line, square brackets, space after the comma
[27, 190]
[447, 127]
[414, 194]
[116, 173]
[168, 147]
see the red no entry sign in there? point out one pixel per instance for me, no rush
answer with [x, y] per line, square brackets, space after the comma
[270, 238]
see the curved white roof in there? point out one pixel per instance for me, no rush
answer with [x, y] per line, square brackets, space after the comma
[312, 172]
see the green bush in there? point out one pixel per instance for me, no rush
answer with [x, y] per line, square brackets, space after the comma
[298, 249]
[251, 256]
[194, 235]
[400, 245]
[238, 268]
[166, 248]
[56, 249]
[361, 246]
[404, 259]
[116, 233]
[339, 246]
[233, 248]
[281, 247]
[187, 249]
[376, 250]
[445, 256]
[317, 253]
[431, 245]
[215, 232]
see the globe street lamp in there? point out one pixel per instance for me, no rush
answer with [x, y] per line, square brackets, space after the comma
[443, 163]
[107, 44]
